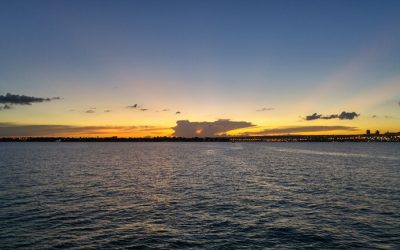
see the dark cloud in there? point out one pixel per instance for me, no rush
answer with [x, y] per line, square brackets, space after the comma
[23, 99]
[314, 116]
[177, 112]
[107, 111]
[264, 109]
[302, 129]
[185, 128]
[348, 115]
[5, 107]
[342, 116]
[329, 117]
[137, 107]
[374, 116]
[90, 111]
[132, 106]
[12, 129]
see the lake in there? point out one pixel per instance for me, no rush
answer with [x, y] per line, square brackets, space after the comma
[199, 195]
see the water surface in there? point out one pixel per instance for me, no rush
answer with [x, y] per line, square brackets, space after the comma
[199, 195]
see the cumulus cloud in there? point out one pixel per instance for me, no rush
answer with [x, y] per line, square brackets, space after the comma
[185, 128]
[12, 129]
[301, 129]
[12, 99]
[264, 109]
[342, 116]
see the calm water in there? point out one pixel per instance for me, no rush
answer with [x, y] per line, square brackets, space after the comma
[199, 195]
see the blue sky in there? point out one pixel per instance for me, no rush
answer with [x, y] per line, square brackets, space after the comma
[213, 59]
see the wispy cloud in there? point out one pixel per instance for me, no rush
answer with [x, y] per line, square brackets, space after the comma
[264, 109]
[342, 116]
[137, 107]
[300, 129]
[134, 106]
[185, 128]
[12, 129]
[5, 107]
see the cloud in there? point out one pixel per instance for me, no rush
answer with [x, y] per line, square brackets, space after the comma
[107, 111]
[23, 99]
[348, 115]
[132, 106]
[185, 128]
[301, 129]
[90, 111]
[178, 112]
[314, 116]
[264, 109]
[137, 107]
[5, 107]
[12, 130]
[385, 116]
[165, 110]
[342, 116]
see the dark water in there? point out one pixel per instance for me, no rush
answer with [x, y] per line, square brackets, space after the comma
[199, 195]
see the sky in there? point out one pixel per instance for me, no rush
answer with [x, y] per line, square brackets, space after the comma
[198, 68]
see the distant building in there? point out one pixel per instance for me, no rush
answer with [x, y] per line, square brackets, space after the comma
[368, 132]
[377, 132]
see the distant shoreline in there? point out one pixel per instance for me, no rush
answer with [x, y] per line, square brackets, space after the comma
[392, 137]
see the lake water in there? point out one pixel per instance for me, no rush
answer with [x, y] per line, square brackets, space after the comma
[199, 195]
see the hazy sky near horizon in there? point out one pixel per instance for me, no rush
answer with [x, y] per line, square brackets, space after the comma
[238, 67]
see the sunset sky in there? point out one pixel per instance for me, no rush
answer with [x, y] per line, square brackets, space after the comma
[198, 68]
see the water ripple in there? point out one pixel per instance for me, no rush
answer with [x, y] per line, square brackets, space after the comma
[199, 195]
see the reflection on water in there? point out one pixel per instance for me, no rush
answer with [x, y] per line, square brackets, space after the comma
[200, 195]
[343, 154]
